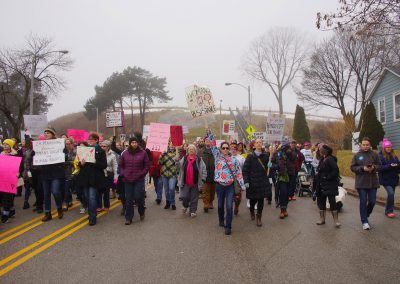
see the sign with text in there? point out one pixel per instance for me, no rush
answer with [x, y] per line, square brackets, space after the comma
[48, 152]
[9, 168]
[185, 129]
[86, 153]
[78, 135]
[115, 119]
[176, 135]
[199, 100]
[228, 127]
[159, 134]
[275, 127]
[259, 135]
[122, 137]
[35, 124]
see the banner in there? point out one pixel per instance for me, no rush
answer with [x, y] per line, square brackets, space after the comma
[259, 135]
[158, 137]
[35, 124]
[275, 127]
[78, 135]
[115, 119]
[200, 101]
[228, 127]
[176, 135]
[48, 152]
[86, 153]
[9, 168]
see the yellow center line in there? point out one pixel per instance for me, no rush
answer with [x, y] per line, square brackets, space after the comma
[13, 236]
[39, 242]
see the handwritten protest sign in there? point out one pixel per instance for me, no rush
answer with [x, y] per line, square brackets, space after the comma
[158, 137]
[86, 153]
[115, 119]
[9, 167]
[35, 124]
[275, 127]
[78, 135]
[48, 152]
[228, 127]
[200, 101]
[259, 135]
[185, 129]
[176, 135]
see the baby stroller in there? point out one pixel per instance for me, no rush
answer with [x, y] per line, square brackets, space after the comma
[304, 180]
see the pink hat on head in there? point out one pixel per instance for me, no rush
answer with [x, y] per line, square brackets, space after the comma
[386, 143]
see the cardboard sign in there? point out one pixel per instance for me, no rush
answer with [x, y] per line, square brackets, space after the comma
[78, 135]
[176, 135]
[185, 129]
[228, 127]
[86, 153]
[35, 124]
[9, 168]
[259, 135]
[158, 137]
[200, 101]
[275, 127]
[48, 152]
[115, 119]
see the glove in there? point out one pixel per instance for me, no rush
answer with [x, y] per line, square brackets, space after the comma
[269, 165]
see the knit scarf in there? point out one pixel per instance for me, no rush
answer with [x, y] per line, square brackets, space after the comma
[189, 171]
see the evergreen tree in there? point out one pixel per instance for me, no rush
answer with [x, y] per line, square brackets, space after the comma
[371, 126]
[301, 132]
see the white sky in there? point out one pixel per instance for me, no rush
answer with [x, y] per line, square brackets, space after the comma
[188, 42]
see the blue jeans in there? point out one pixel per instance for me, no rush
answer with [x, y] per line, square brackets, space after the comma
[283, 188]
[292, 184]
[225, 199]
[28, 191]
[51, 187]
[90, 197]
[169, 188]
[367, 202]
[103, 196]
[134, 191]
[67, 191]
[158, 187]
[390, 198]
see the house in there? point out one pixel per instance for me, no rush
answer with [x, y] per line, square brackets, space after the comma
[385, 96]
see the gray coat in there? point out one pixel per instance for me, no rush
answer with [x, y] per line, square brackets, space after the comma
[201, 166]
[365, 179]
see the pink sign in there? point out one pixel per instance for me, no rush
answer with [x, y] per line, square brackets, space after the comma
[78, 135]
[158, 137]
[9, 167]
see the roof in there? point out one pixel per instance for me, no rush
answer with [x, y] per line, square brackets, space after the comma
[395, 70]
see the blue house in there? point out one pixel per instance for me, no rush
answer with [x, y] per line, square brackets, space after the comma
[386, 98]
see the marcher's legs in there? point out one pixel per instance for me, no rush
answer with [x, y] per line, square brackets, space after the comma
[221, 194]
[229, 202]
[283, 194]
[129, 196]
[171, 187]
[371, 200]
[390, 199]
[194, 199]
[362, 193]
[90, 196]
[185, 195]
[139, 196]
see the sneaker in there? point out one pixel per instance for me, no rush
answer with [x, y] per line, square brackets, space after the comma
[184, 210]
[82, 211]
[193, 215]
[294, 198]
[391, 215]
[4, 219]
[167, 206]
[65, 208]
[158, 201]
[228, 231]
[365, 226]
[26, 205]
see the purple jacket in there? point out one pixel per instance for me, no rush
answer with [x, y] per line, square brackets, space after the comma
[134, 167]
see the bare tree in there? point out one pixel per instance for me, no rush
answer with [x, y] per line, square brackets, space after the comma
[275, 58]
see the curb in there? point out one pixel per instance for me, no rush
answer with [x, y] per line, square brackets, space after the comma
[379, 200]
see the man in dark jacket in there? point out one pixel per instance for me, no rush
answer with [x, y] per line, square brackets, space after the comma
[365, 165]
[294, 164]
[209, 185]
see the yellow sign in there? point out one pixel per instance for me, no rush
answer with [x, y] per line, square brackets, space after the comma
[250, 129]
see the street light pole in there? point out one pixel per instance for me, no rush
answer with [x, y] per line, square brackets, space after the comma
[249, 94]
[97, 120]
[220, 119]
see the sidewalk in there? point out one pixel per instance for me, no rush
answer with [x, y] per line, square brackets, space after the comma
[348, 184]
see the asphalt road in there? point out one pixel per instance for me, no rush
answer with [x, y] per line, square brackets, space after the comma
[169, 247]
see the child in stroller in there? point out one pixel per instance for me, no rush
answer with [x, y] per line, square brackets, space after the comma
[305, 179]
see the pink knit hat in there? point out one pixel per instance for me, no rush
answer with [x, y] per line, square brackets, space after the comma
[386, 143]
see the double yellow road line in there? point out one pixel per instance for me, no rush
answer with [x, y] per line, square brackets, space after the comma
[81, 221]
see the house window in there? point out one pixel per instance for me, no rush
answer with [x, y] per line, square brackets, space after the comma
[396, 107]
[382, 110]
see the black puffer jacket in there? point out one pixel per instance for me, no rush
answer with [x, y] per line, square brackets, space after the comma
[92, 174]
[209, 160]
[255, 175]
[328, 175]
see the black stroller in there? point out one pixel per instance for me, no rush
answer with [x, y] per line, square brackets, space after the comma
[305, 180]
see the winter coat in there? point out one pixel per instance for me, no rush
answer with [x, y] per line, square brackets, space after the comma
[200, 173]
[328, 175]
[133, 167]
[256, 176]
[365, 179]
[291, 162]
[92, 174]
[154, 166]
[299, 160]
[389, 175]
[69, 163]
[209, 161]
[168, 164]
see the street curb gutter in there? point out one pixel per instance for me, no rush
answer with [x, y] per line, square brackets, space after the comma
[379, 200]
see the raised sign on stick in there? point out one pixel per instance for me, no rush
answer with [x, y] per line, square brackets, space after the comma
[158, 137]
[200, 101]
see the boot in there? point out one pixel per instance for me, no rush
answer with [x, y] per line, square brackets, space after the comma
[123, 210]
[259, 224]
[60, 213]
[167, 205]
[282, 214]
[336, 218]
[142, 217]
[252, 215]
[321, 217]
[26, 205]
[236, 209]
[285, 213]
[47, 217]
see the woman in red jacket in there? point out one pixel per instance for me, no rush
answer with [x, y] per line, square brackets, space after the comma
[156, 175]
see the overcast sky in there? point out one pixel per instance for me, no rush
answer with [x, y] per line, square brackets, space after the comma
[188, 42]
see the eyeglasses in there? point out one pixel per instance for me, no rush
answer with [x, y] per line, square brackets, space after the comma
[225, 148]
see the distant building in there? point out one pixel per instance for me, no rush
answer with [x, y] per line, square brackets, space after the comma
[386, 98]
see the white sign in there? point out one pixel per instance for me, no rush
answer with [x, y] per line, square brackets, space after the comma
[228, 127]
[122, 137]
[35, 124]
[235, 136]
[200, 101]
[259, 135]
[86, 153]
[146, 130]
[355, 145]
[275, 127]
[185, 129]
[115, 119]
[48, 152]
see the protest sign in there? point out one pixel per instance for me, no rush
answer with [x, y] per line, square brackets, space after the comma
[275, 127]
[115, 119]
[78, 135]
[199, 100]
[9, 168]
[259, 135]
[176, 135]
[48, 152]
[228, 127]
[185, 129]
[86, 153]
[122, 137]
[235, 136]
[35, 124]
[158, 137]
[219, 142]
[146, 130]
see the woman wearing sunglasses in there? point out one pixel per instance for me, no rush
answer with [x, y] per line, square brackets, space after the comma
[227, 169]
